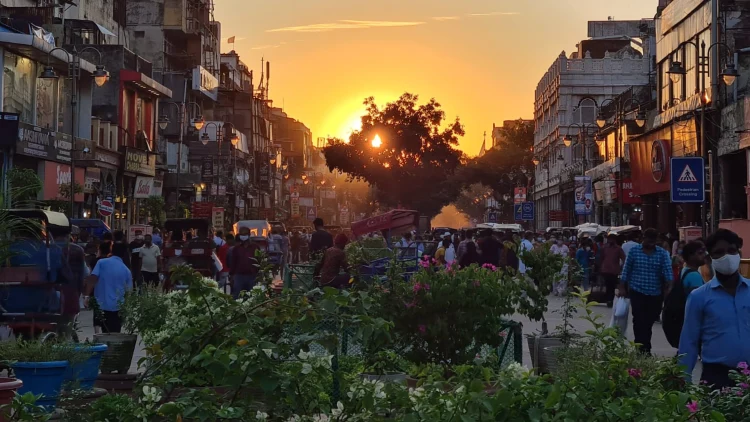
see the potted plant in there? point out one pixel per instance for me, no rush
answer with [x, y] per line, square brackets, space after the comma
[41, 366]
[544, 268]
[83, 375]
[8, 388]
[120, 346]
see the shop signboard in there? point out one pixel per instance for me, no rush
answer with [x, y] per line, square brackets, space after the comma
[57, 175]
[207, 168]
[649, 163]
[43, 144]
[583, 195]
[135, 230]
[264, 170]
[217, 218]
[143, 187]
[295, 206]
[202, 209]
[140, 162]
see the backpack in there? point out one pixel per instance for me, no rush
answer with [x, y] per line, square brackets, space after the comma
[673, 314]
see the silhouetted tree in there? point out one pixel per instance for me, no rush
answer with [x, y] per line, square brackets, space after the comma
[414, 166]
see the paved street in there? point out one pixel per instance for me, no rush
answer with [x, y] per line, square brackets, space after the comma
[659, 343]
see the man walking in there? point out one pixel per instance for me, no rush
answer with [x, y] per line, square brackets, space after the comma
[243, 263]
[646, 275]
[610, 265]
[717, 315]
[320, 240]
[150, 257]
[109, 281]
[526, 245]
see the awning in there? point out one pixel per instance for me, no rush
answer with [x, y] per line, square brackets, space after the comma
[37, 49]
[104, 30]
[145, 83]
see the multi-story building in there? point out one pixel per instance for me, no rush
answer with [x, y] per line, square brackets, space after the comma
[567, 101]
[58, 122]
[295, 140]
[182, 40]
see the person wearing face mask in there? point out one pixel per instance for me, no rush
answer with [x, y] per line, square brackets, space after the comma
[717, 315]
[243, 264]
[646, 275]
[150, 258]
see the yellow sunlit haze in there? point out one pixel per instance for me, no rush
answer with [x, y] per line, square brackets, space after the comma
[481, 59]
[376, 141]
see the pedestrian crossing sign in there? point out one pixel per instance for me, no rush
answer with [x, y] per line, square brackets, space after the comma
[687, 175]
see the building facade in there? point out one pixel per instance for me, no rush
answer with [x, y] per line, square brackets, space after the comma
[567, 99]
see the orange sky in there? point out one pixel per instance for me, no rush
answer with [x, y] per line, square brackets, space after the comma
[481, 59]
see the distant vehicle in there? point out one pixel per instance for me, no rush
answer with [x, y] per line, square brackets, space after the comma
[277, 225]
[94, 226]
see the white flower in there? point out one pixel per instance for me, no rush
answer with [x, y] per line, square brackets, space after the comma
[306, 368]
[259, 288]
[516, 371]
[460, 390]
[321, 418]
[294, 418]
[233, 357]
[303, 355]
[261, 416]
[338, 411]
[268, 352]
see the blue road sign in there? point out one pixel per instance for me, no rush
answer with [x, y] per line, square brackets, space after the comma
[518, 212]
[687, 176]
[527, 211]
[492, 217]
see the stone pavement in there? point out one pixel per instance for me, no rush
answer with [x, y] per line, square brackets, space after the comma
[660, 346]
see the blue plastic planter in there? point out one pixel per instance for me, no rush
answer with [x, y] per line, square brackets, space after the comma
[83, 375]
[44, 378]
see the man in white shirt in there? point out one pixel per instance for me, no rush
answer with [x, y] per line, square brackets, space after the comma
[560, 248]
[150, 255]
[450, 251]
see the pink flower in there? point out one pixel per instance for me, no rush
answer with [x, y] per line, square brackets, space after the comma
[422, 329]
[634, 372]
[740, 393]
[424, 264]
[425, 257]
[692, 406]
[489, 267]
[744, 385]
[477, 283]
[417, 287]
[746, 372]
[742, 365]
[426, 286]
[410, 305]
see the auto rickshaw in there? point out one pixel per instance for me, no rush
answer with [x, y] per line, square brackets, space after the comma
[32, 294]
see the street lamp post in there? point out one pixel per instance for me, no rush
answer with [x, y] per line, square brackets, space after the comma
[234, 139]
[197, 123]
[728, 75]
[619, 119]
[582, 138]
[74, 71]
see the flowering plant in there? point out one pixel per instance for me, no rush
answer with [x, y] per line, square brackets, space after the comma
[448, 317]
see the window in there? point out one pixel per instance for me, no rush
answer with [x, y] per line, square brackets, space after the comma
[19, 86]
[139, 34]
[586, 113]
[64, 116]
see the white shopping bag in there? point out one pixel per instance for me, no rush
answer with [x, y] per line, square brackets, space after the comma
[620, 322]
[622, 307]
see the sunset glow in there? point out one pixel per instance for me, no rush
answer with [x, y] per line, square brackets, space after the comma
[376, 141]
[480, 59]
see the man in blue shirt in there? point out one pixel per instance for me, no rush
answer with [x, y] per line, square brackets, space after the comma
[647, 273]
[109, 281]
[717, 315]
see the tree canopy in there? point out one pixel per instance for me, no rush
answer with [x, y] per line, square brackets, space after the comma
[418, 155]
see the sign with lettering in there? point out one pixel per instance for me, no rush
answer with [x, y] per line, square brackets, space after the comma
[143, 187]
[140, 162]
[207, 168]
[107, 157]
[41, 143]
[202, 209]
[217, 218]
[57, 175]
[206, 83]
[264, 170]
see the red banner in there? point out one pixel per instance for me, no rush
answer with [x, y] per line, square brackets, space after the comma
[649, 163]
[557, 215]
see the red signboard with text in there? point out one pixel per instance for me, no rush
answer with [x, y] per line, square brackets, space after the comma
[56, 175]
[649, 164]
[628, 196]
